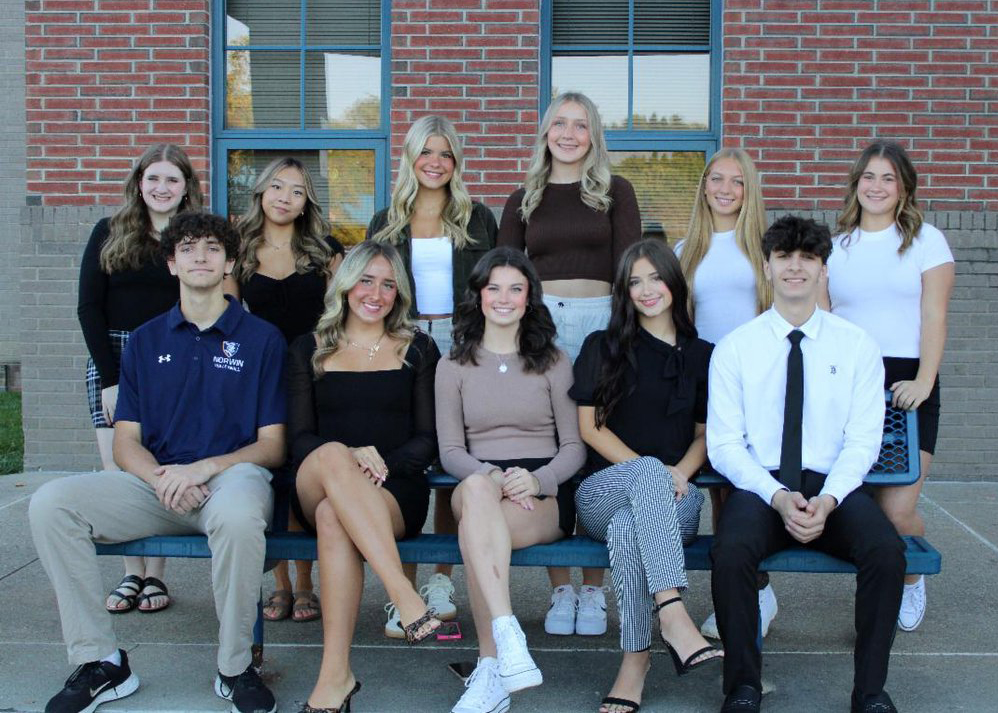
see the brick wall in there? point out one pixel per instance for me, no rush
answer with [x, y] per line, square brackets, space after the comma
[808, 83]
[11, 172]
[475, 62]
[104, 78]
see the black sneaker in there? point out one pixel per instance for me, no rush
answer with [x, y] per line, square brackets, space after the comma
[92, 684]
[247, 692]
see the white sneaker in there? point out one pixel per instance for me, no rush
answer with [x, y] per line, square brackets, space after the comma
[485, 693]
[517, 669]
[767, 612]
[439, 596]
[709, 627]
[560, 619]
[590, 617]
[767, 608]
[393, 627]
[912, 605]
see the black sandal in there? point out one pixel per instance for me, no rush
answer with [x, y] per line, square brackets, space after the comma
[614, 701]
[128, 590]
[684, 667]
[344, 707]
[158, 584]
[411, 631]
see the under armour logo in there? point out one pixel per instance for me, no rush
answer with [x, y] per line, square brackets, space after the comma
[832, 368]
[164, 357]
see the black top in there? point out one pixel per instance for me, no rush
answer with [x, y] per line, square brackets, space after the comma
[661, 402]
[482, 231]
[293, 304]
[391, 410]
[123, 300]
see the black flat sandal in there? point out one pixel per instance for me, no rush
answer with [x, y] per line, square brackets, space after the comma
[411, 631]
[128, 590]
[344, 707]
[614, 701]
[684, 667]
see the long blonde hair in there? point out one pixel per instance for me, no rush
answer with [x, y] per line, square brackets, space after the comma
[595, 169]
[330, 329]
[308, 242]
[457, 211]
[130, 242]
[907, 214]
[749, 227]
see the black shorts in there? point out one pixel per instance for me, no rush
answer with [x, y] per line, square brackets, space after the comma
[905, 369]
[566, 490]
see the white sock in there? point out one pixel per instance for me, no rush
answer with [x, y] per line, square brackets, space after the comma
[114, 658]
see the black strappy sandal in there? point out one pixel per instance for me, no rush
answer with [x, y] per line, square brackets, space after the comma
[684, 667]
[344, 707]
[614, 701]
[162, 592]
[128, 590]
[411, 631]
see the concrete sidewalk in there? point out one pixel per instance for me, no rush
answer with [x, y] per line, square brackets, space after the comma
[948, 664]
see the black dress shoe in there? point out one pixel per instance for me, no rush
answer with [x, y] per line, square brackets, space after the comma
[744, 699]
[874, 703]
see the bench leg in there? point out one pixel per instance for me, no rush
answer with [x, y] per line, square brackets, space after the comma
[258, 637]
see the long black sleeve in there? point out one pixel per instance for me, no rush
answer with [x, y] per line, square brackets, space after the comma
[416, 454]
[91, 305]
[303, 427]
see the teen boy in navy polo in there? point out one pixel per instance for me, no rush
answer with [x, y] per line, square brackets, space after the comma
[799, 484]
[200, 418]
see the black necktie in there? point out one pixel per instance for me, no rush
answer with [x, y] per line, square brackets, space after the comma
[793, 415]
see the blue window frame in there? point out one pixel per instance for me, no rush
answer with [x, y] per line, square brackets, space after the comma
[309, 78]
[653, 67]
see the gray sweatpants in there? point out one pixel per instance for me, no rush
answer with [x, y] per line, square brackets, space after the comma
[69, 514]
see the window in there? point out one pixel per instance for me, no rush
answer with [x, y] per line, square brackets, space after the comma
[653, 69]
[307, 78]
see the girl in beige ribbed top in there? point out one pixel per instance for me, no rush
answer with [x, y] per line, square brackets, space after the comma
[508, 430]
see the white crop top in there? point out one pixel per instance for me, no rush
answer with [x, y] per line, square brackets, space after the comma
[723, 288]
[433, 273]
[873, 287]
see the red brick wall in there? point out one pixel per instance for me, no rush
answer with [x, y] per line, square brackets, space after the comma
[808, 83]
[105, 78]
[475, 62]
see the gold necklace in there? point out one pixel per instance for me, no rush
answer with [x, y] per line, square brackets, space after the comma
[371, 351]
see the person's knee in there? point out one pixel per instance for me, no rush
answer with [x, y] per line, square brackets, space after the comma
[476, 489]
[731, 552]
[886, 553]
[48, 504]
[327, 522]
[241, 516]
[334, 460]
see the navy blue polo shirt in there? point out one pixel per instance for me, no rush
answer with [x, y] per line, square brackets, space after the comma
[202, 394]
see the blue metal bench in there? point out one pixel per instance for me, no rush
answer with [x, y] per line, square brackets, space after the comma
[898, 464]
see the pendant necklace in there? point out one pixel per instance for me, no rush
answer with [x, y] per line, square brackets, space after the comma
[502, 365]
[275, 245]
[371, 351]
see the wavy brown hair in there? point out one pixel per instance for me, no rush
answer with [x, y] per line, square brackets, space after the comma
[310, 228]
[536, 335]
[131, 242]
[907, 214]
[622, 330]
[749, 228]
[330, 331]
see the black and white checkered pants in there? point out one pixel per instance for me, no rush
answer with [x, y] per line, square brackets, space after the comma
[631, 506]
[117, 339]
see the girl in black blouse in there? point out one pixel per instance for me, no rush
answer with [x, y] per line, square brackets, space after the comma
[362, 431]
[641, 389]
[285, 262]
[124, 283]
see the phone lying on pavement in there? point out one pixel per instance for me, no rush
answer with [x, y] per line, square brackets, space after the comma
[449, 631]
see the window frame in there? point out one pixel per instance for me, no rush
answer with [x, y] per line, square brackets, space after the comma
[647, 139]
[224, 140]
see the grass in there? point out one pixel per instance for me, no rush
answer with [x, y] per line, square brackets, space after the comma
[11, 434]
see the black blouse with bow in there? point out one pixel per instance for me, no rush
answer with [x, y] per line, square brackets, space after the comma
[662, 402]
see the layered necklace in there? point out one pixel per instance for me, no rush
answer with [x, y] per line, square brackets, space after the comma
[372, 350]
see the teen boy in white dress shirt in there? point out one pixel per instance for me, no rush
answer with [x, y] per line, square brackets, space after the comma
[805, 492]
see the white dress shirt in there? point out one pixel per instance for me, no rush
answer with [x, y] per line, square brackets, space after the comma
[843, 403]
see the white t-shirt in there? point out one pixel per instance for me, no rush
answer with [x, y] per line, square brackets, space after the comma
[723, 288]
[433, 273]
[872, 286]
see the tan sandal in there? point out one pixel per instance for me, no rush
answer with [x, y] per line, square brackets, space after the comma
[305, 600]
[279, 600]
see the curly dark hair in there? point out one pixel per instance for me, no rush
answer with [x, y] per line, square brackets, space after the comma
[199, 225]
[537, 331]
[619, 357]
[792, 232]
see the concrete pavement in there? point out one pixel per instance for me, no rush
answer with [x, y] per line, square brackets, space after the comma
[948, 664]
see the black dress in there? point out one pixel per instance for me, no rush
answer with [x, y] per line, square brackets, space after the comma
[391, 410]
[293, 304]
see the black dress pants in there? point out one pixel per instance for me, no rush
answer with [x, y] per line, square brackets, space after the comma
[856, 531]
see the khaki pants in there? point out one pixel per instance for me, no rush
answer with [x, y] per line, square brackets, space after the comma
[68, 515]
